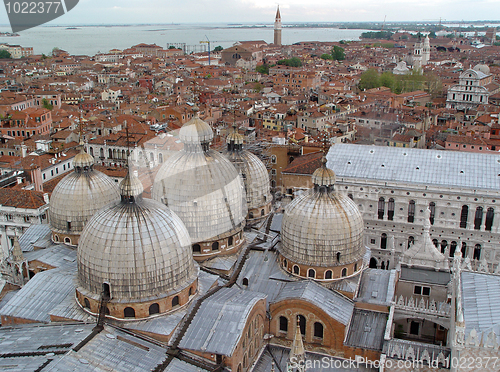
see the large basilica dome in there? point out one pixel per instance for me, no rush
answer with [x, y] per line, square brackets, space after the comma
[322, 232]
[205, 190]
[137, 252]
[77, 197]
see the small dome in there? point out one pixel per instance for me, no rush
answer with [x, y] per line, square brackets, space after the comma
[140, 248]
[235, 138]
[322, 227]
[323, 176]
[83, 160]
[78, 196]
[196, 132]
[482, 68]
[131, 186]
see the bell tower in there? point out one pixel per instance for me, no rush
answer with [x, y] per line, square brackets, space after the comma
[277, 28]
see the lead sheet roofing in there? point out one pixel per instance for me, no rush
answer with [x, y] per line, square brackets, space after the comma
[220, 320]
[456, 169]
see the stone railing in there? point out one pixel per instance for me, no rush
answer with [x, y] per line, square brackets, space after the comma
[428, 354]
[423, 306]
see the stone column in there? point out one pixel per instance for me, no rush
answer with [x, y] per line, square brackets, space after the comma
[4, 241]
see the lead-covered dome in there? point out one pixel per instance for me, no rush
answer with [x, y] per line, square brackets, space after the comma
[322, 231]
[77, 197]
[255, 177]
[203, 188]
[139, 250]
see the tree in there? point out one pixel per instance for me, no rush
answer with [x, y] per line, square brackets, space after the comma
[326, 56]
[218, 48]
[292, 62]
[369, 79]
[263, 69]
[55, 51]
[172, 47]
[5, 54]
[338, 53]
[432, 35]
[46, 104]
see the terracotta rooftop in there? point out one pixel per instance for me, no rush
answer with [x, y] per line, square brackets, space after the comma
[305, 164]
[22, 198]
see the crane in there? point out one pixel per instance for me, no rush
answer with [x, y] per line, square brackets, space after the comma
[383, 24]
[207, 42]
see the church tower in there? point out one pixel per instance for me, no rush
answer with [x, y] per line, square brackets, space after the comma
[277, 28]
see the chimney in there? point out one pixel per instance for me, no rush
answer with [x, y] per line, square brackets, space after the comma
[24, 150]
[36, 177]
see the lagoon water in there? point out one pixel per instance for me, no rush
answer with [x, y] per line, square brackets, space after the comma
[89, 40]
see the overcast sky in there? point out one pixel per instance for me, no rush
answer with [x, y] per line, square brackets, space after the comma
[223, 11]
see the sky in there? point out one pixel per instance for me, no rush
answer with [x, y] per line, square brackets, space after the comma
[89, 12]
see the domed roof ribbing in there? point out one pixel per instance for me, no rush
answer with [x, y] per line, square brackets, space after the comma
[138, 246]
[322, 227]
[252, 170]
[201, 186]
[79, 195]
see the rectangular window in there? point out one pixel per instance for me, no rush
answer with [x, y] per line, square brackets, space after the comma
[417, 290]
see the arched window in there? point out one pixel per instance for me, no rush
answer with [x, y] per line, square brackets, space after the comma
[175, 301]
[381, 208]
[338, 256]
[91, 151]
[56, 238]
[435, 242]
[382, 265]
[262, 212]
[350, 196]
[250, 214]
[245, 282]
[106, 290]
[160, 157]
[215, 246]
[477, 252]
[151, 157]
[464, 249]
[318, 330]
[411, 241]
[285, 263]
[230, 241]
[302, 324]
[432, 208]
[283, 324]
[390, 209]
[101, 152]
[296, 269]
[328, 274]
[344, 271]
[453, 247]
[463, 216]
[478, 218]
[411, 211]
[110, 154]
[196, 248]
[191, 291]
[373, 263]
[67, 240]
[444, 244]
[383, 241]
[355, 267]
[123, 155]
[129, 312]
[489, 219]
[86, 303]
[154, 309]
[311, 273]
